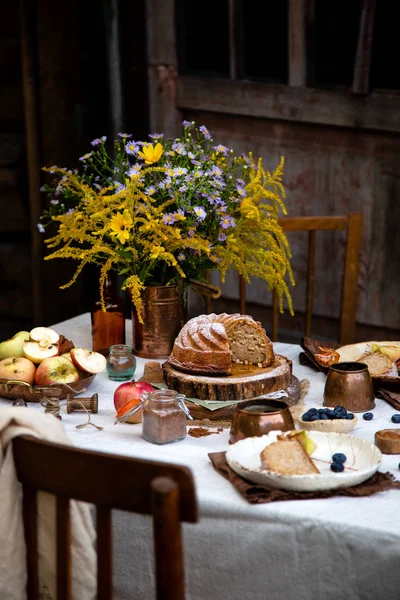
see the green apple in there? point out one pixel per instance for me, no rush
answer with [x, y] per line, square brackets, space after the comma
[13, 346]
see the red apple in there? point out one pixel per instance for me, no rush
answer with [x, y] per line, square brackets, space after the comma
[18, 368]
[87, 360]
[130, 392]
[56, 370]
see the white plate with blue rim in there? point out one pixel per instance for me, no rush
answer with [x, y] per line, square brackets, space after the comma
[363, 459]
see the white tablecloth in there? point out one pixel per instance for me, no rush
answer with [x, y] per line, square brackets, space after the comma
[337, 548]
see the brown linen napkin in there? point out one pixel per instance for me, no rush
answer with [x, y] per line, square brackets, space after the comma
[262, 494]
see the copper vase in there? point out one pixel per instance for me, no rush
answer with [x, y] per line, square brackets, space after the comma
[164, 314]
[258, 417]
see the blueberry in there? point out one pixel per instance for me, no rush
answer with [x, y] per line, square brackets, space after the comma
[337, 467]
[324, 417]
[369, 416]
[305, 417]
[312, 411]
[350, 416]
[314, 418]
[339, 457]
[396, 418]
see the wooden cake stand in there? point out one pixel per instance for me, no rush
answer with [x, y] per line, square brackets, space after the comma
[246, 381]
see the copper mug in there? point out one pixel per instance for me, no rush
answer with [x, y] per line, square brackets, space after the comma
[258, 417]
[349, 384]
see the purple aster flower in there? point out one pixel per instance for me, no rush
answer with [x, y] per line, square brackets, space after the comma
[132, 148]
[98, 186]
[222, 237]
[216, 170]
[221, 149]
[190, 233]
[227, 221]
[240, 191]
[119, 187]
[241, 182]
[205, 132]
[70, 211]
[133, 170]
[190, 155]
[199, 212]
[156, 136]
[40, 227]
[54, 201]
[125, 136]
[96, 142]
[42, 188]
[182, 188]
[84, 157]
[180, 212]
[150, 190]
[169, 219]
[178, 171]
[181, 256]
[186, 124]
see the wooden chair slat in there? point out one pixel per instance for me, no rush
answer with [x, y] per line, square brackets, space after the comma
[350, 280]
[104, 553]
[310, 280]
[29, 512]
[352, 224]
[167, 540]
[63, 540]
[72, 480]
[142, 486]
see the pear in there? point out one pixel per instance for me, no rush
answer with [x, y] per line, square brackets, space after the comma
[13, 346]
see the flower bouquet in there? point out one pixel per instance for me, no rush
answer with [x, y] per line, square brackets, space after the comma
[162, 211]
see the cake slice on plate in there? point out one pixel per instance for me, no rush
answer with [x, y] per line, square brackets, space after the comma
[287, 457]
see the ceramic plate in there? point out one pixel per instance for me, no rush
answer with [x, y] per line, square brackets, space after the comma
[329, 425]
[363, 460]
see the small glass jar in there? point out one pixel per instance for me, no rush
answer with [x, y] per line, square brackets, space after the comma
[164, 416]
[121, 363]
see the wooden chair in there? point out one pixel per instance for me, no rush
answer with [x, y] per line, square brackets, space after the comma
[151, 488]
[351, 223]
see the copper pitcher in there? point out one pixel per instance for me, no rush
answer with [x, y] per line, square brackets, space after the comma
[258, 417]
[349, 384]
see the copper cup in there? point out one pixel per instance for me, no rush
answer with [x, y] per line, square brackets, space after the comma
[349, 384]
[260, 416]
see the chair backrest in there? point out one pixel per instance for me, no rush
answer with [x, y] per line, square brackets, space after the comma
[162, 490]
[352, 224]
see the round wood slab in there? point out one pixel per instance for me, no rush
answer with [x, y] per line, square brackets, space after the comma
[246, 381]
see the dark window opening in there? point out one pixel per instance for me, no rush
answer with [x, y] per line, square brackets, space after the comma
[203, 37]
[335, 35]
[263, 40]
[385, 73]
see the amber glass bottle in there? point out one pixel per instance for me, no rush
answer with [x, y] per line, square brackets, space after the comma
[108, 328]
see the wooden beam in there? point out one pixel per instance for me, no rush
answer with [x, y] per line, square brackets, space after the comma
[28, 24]
[339, 108]
[297, 43]
[362, 65]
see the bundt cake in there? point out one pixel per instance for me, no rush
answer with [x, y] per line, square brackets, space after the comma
[209, 344]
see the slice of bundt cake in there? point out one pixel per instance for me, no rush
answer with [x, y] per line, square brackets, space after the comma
[209, 344]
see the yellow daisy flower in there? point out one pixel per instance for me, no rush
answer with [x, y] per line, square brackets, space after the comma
[151, 154]
[120, 225]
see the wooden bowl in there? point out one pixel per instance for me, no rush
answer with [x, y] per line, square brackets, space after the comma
[12, 390]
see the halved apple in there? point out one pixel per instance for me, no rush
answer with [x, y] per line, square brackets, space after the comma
[37, 352]
[88, 361]
[44, 336]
